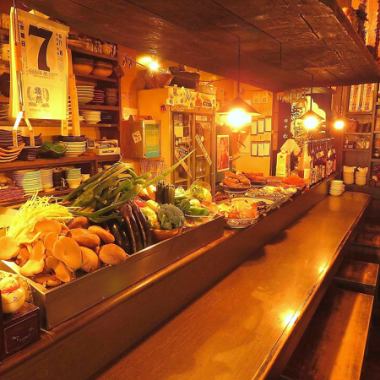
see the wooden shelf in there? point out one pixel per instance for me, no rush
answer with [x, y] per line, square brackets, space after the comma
[98, 107]
[358, 133]
[91, 53]
[96, 78]
[369, 113]
[375, 159]
[108, 158]
[357, 150]
[99, 125]
[45, 163]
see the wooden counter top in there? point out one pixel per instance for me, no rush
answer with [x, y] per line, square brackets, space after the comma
[238, 328]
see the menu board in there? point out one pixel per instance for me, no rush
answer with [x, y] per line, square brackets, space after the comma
[39, 66]
[361, 98]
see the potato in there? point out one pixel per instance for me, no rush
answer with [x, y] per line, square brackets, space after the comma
[68, 251]
[78, 222]
[85, 238]
[105, 236]
[48, 225]
[23, 256]
[112, 254]
[90, 260]
[38, 251]
[61, 271]
[47, 279]
[32, 267]
[49, 241]
[9, 248]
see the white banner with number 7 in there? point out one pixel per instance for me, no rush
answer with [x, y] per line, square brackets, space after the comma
[39, 63]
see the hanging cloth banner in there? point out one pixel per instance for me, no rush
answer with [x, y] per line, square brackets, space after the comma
[203, 149]
[38, 67]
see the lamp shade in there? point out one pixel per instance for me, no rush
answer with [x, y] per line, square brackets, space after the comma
[238, 103]
[311, 120]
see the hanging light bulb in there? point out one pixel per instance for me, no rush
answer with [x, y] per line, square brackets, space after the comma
[339, 124]
[311, 120]
[148, 62]
[238, 112]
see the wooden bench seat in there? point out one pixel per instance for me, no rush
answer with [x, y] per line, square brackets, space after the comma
[358, 275]
[369, 254]
[334, 343]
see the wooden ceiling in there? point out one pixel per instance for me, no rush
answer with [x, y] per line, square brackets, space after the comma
[284, 43]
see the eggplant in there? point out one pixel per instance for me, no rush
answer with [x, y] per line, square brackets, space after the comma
[143, 224]
[124, 237]
[115, 232]
[137, 214]
[131, 227]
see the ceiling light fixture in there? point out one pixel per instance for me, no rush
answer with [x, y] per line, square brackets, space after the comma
[238, 112]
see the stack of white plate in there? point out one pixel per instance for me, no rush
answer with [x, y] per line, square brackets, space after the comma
[85, 93]
[111, 96]
[99, 96]
[73, 177]
[74, 148]
[29, 180]
[47, 178]
[336, 188]
[92, 117]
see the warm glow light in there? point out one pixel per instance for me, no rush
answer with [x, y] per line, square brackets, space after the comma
[289, 318]
[339, 124]
[238, 118]
[148, 62]
[310, 122]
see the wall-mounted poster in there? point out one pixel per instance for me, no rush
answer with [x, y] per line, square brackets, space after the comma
[268, 124]
[260, 125]
[223, 152]
[254, 127]
[254, 149]
[42, 64]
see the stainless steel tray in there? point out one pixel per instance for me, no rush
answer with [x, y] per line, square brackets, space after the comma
[63, 302]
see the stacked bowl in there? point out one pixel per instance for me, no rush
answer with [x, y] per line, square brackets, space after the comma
[73, 177]
[29, 180]
[6, 138]
[47, 179]
[91, 117]
[74, 148]
[336, 188]
[83, 66]
[85, 93]
[348, 174]
[103, 69]
[111, 96]
[99, 96]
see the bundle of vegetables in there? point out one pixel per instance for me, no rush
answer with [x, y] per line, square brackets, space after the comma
[51, 247]
[101, 196]
[194, 200]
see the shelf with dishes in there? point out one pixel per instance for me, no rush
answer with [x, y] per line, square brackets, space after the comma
[92, 54]
[90, 77]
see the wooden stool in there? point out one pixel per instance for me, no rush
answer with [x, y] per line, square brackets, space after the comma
[334, 344]
[358, 275]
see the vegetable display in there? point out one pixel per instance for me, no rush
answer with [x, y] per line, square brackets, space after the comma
[170, 217]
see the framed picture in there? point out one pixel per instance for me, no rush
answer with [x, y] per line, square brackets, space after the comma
[222, 153]
[260, 125]
[263, 149]
[268, 124]
[254, 149]
[254, 128]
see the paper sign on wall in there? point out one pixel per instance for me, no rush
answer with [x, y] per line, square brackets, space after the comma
[41, 63]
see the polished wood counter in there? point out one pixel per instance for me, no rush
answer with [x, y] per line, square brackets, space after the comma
[240, 328]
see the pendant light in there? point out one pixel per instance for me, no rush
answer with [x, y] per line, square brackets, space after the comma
[340, 122]
[311, 119]
[238, 112]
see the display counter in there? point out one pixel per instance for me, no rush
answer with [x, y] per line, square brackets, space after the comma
[244, 327]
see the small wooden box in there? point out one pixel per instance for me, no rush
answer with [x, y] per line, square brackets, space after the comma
[20, 329]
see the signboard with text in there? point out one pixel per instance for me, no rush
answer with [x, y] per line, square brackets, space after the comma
[40, 63]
